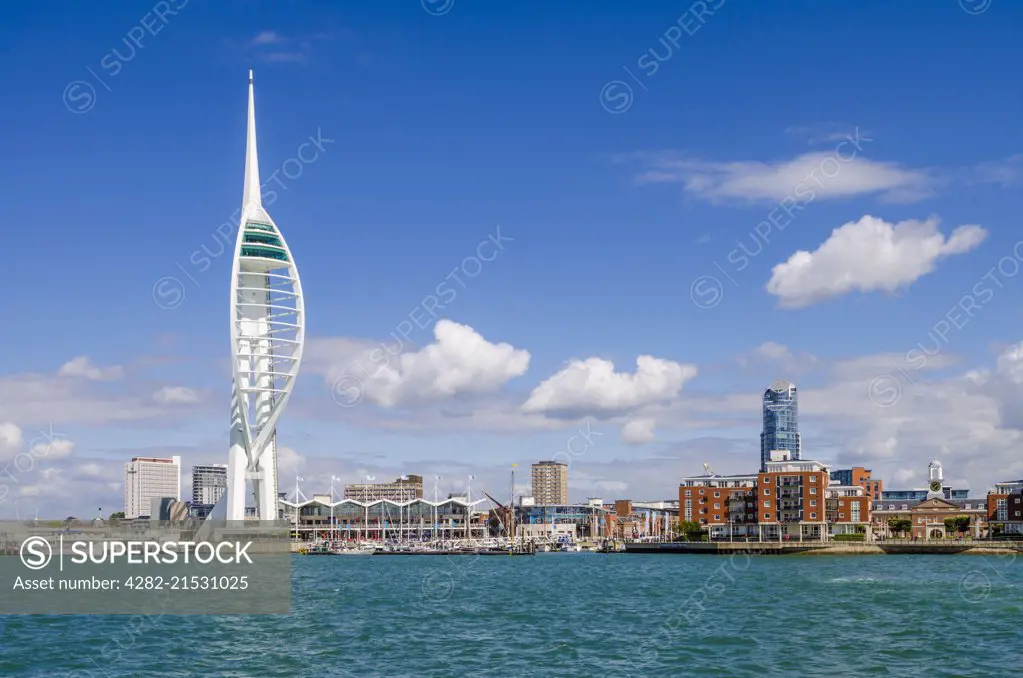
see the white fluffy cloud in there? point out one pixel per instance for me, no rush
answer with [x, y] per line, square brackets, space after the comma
[57, 448]
[460, 361]
[176, 395]
[42, 446]
[11, 439]
[638, 431]
[593, 387]
[868, 255]
[82, 367]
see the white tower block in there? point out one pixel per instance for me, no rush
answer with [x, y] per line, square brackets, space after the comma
[267, 334]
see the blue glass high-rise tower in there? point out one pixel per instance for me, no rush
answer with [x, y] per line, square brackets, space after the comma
[781, 422]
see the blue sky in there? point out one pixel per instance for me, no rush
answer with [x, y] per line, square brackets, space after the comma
[440, 123]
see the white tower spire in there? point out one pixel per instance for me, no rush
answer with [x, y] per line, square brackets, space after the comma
[251, 192]
[267, 336]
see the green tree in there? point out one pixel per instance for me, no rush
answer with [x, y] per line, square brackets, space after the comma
[116, 517]
[690, 530]
[687, 530]
[900, 525]
[958, 524]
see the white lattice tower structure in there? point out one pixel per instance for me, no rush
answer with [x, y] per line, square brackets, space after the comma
[267, 335]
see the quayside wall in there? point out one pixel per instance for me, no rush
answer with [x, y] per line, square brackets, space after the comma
[827, 548]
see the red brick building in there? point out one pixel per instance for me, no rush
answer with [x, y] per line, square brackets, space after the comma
[927, 518]
[1005, 508]
[792, 500]
[725, 505]
[860, 477]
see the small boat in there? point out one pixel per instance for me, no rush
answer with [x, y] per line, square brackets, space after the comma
[321, 549]
[357, 551]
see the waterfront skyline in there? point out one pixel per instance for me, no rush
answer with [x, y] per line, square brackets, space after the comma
[562, 278]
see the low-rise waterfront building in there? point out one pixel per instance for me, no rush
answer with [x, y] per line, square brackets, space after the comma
[403, 489]
[927, 518]
[384, 520]
[591, 520]
[641, 520]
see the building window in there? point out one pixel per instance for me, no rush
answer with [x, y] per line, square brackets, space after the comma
[767, 491]
[813, 502]
[767, 503]
[717, 494]
[813, 479]
[689, 493]
[813, 516]
[767, 516]
[717, 517]
[905, 507]
[813, 490]
[717, 505]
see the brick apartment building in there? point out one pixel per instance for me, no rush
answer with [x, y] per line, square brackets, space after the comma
[861, 477]
[792, 500]
[848, 509]
[1005, 508]
[725, 505]
[788, 501]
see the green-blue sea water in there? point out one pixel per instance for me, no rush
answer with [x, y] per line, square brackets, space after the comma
[571, 615]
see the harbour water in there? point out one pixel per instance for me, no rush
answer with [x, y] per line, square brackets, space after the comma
[571, 614]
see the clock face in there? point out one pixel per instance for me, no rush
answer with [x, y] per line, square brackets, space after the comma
[935, 486]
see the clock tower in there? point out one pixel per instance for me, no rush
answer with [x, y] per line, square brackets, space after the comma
[935, 480]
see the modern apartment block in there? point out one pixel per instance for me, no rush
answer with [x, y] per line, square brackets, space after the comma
[781, 422]
[403, 489]
[848, 508]
[209, 483]
[858, 475]
[726, 505]
[149, 478]
[550, 483]
[792, 500]
[1005, 508]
